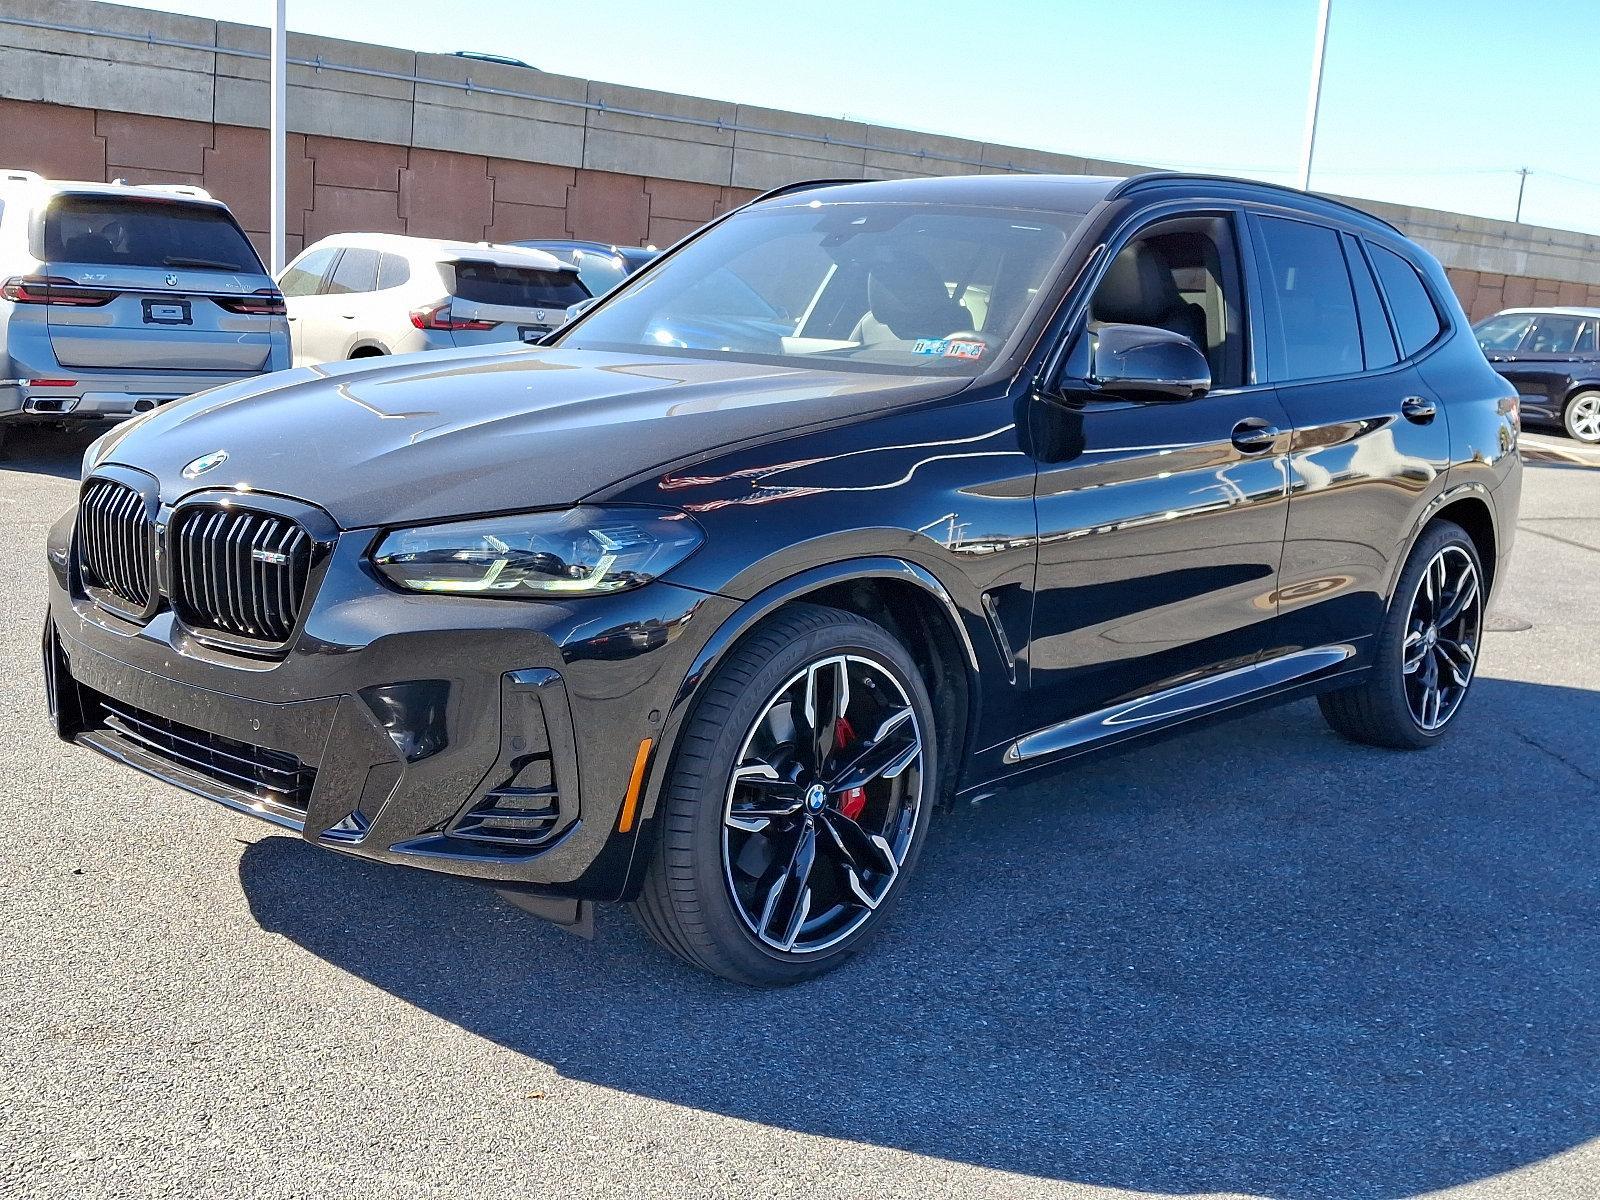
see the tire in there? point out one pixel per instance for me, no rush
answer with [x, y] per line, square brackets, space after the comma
[706, 895]
[1581, 418]
[1390, 707]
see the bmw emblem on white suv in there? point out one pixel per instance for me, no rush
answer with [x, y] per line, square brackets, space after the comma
[206, 462]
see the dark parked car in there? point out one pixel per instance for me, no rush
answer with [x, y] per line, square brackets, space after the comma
[600, 267]
[710, 613]
[1552, 357]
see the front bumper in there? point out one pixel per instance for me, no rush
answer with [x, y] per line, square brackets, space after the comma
[392, 718]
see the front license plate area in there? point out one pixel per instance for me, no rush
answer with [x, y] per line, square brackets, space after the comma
[167, 312]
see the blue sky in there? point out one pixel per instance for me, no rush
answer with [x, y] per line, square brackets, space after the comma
[1431, 102]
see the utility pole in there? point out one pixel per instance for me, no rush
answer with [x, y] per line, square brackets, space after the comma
[1314, 100]
[1522, 186]
[278, 129]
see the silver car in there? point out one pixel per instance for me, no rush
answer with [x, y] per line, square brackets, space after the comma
[354, 295]
[114, 299]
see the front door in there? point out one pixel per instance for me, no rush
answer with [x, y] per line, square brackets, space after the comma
[1161, 523]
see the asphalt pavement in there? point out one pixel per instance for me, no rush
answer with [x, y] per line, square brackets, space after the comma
[1254, 960]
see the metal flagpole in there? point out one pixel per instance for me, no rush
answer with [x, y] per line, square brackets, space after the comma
[278, 129]
[1314, 100]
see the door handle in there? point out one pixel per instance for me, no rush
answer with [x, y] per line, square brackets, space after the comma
[1419, 409]
[1255, 436]
[348, 316]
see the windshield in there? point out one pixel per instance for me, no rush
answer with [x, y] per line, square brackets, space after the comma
[904, 287]
[154, 231]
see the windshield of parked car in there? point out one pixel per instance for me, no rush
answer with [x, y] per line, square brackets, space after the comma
[145, 231]
[902, 287]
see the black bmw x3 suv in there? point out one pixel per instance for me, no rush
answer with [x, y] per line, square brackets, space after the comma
[866, 499]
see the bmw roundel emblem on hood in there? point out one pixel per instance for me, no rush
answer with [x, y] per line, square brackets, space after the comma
[204, 463]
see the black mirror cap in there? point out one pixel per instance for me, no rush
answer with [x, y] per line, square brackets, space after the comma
[1148, 363]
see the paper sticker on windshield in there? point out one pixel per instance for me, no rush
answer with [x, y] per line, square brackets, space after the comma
[956, 348]
[929, 346]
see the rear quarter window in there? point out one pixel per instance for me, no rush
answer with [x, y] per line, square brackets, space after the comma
[1415, 316]
[515, 287]
[144, 231]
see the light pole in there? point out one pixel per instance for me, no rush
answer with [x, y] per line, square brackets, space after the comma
[1314, 100]
[1522, 185]
[278, 129]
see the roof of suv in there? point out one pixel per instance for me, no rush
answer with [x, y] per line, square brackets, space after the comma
[1565, 310]
[1066, 193]
[19, 180]
[448, 250]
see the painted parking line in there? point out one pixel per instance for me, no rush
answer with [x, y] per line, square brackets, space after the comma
[1541, 448]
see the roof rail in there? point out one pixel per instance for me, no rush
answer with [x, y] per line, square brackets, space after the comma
[1134, 182]
[803, 185]
[19, 175]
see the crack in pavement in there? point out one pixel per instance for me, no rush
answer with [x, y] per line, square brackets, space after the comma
[1558, 756]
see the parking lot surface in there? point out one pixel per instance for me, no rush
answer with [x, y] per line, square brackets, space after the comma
[1254, 960]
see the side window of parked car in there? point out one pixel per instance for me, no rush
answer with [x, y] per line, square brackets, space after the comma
[1409, 303]
[305, 276]
[1589, 338]
[1312, 329]
[1502, 333]
[357, 272]
[1554, 333]
[392, 271]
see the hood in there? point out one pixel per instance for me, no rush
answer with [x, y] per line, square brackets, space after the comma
[422, 437]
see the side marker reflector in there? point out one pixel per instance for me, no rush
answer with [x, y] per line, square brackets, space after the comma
[630, 803]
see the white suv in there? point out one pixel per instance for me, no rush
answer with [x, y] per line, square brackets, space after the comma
[355, 295]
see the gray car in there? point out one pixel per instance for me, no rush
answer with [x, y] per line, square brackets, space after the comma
[357, 295]
[115, 299]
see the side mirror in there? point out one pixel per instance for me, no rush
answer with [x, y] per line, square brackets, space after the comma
[1146, 363]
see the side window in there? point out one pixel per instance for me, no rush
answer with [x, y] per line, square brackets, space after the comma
[1312, 328]
[1377, 340]
[304, 277]
[1589, 337]
[357, 272]
[1182, 276]
[392, 271]
[1554, 333]
[1409, 303]
[1503, 333]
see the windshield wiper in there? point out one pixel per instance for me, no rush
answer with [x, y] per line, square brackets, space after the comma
[209, 263]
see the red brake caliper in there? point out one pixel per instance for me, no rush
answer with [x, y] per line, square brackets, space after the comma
[852, 802]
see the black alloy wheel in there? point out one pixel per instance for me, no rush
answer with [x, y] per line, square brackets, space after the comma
[1426, 653]
[798, 801]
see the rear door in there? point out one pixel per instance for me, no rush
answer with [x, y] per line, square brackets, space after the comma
[497, 301]
[166, 285]
[1371, 440]
[344, 307]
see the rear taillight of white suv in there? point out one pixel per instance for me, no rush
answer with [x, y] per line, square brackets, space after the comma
[437, 316]
[50, 289]
[263, 302]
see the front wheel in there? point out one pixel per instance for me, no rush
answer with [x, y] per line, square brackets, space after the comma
[1581, 417]
[797, 803]
[1426, 653]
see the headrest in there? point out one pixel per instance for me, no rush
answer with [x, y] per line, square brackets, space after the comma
[1138, 289]
[907, 295]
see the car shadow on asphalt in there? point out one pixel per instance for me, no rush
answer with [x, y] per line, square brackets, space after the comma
[42, 450]
[1251, 959]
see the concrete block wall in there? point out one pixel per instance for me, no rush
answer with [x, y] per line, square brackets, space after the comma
[434, 145]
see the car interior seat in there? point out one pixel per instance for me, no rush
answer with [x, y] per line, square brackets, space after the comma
[1139, 289]
[907, 300]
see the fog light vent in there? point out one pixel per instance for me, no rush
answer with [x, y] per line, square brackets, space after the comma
[523, 817]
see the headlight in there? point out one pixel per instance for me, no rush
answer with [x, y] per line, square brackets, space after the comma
[580, 552]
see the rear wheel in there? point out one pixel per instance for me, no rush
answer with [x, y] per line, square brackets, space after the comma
[798, 801]
[1427, 649]
[1581, 417]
